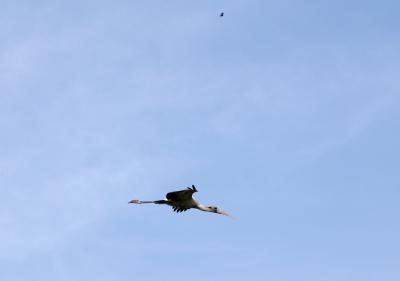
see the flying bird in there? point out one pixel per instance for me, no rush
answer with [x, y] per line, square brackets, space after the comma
[221, 14]
[181, 201]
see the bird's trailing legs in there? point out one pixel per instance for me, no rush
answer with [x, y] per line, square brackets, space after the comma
[135, 201]
[139, 201]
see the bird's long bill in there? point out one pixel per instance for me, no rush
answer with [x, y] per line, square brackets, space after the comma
[222, 212]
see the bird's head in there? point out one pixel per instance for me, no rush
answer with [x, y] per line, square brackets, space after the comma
[217, 210]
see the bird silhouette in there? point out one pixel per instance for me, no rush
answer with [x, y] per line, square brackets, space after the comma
[221, 14]
[181, 201]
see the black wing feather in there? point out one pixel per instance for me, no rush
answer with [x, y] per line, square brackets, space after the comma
[180, 195]
[179, 210]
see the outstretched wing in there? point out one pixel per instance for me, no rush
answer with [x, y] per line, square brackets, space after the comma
[182, 195]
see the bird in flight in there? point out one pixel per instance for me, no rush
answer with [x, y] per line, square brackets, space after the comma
[181, 201]
[221, 14]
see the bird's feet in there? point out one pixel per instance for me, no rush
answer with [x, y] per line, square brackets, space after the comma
[135, 201]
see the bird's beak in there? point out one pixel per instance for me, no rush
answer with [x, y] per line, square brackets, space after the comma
[222, 212]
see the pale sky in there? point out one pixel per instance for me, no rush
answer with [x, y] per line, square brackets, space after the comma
[284, 113]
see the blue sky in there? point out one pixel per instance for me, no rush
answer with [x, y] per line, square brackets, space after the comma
[284, 113]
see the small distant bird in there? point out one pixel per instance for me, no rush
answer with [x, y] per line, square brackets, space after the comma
[182, 200]
[221, 14]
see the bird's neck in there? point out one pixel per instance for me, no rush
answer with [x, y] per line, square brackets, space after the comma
[204, 208]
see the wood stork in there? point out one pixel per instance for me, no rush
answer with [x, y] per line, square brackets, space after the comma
[182, 200]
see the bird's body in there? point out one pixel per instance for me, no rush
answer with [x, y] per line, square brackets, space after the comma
[221, 14]
[181, 201]
[182, 206]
